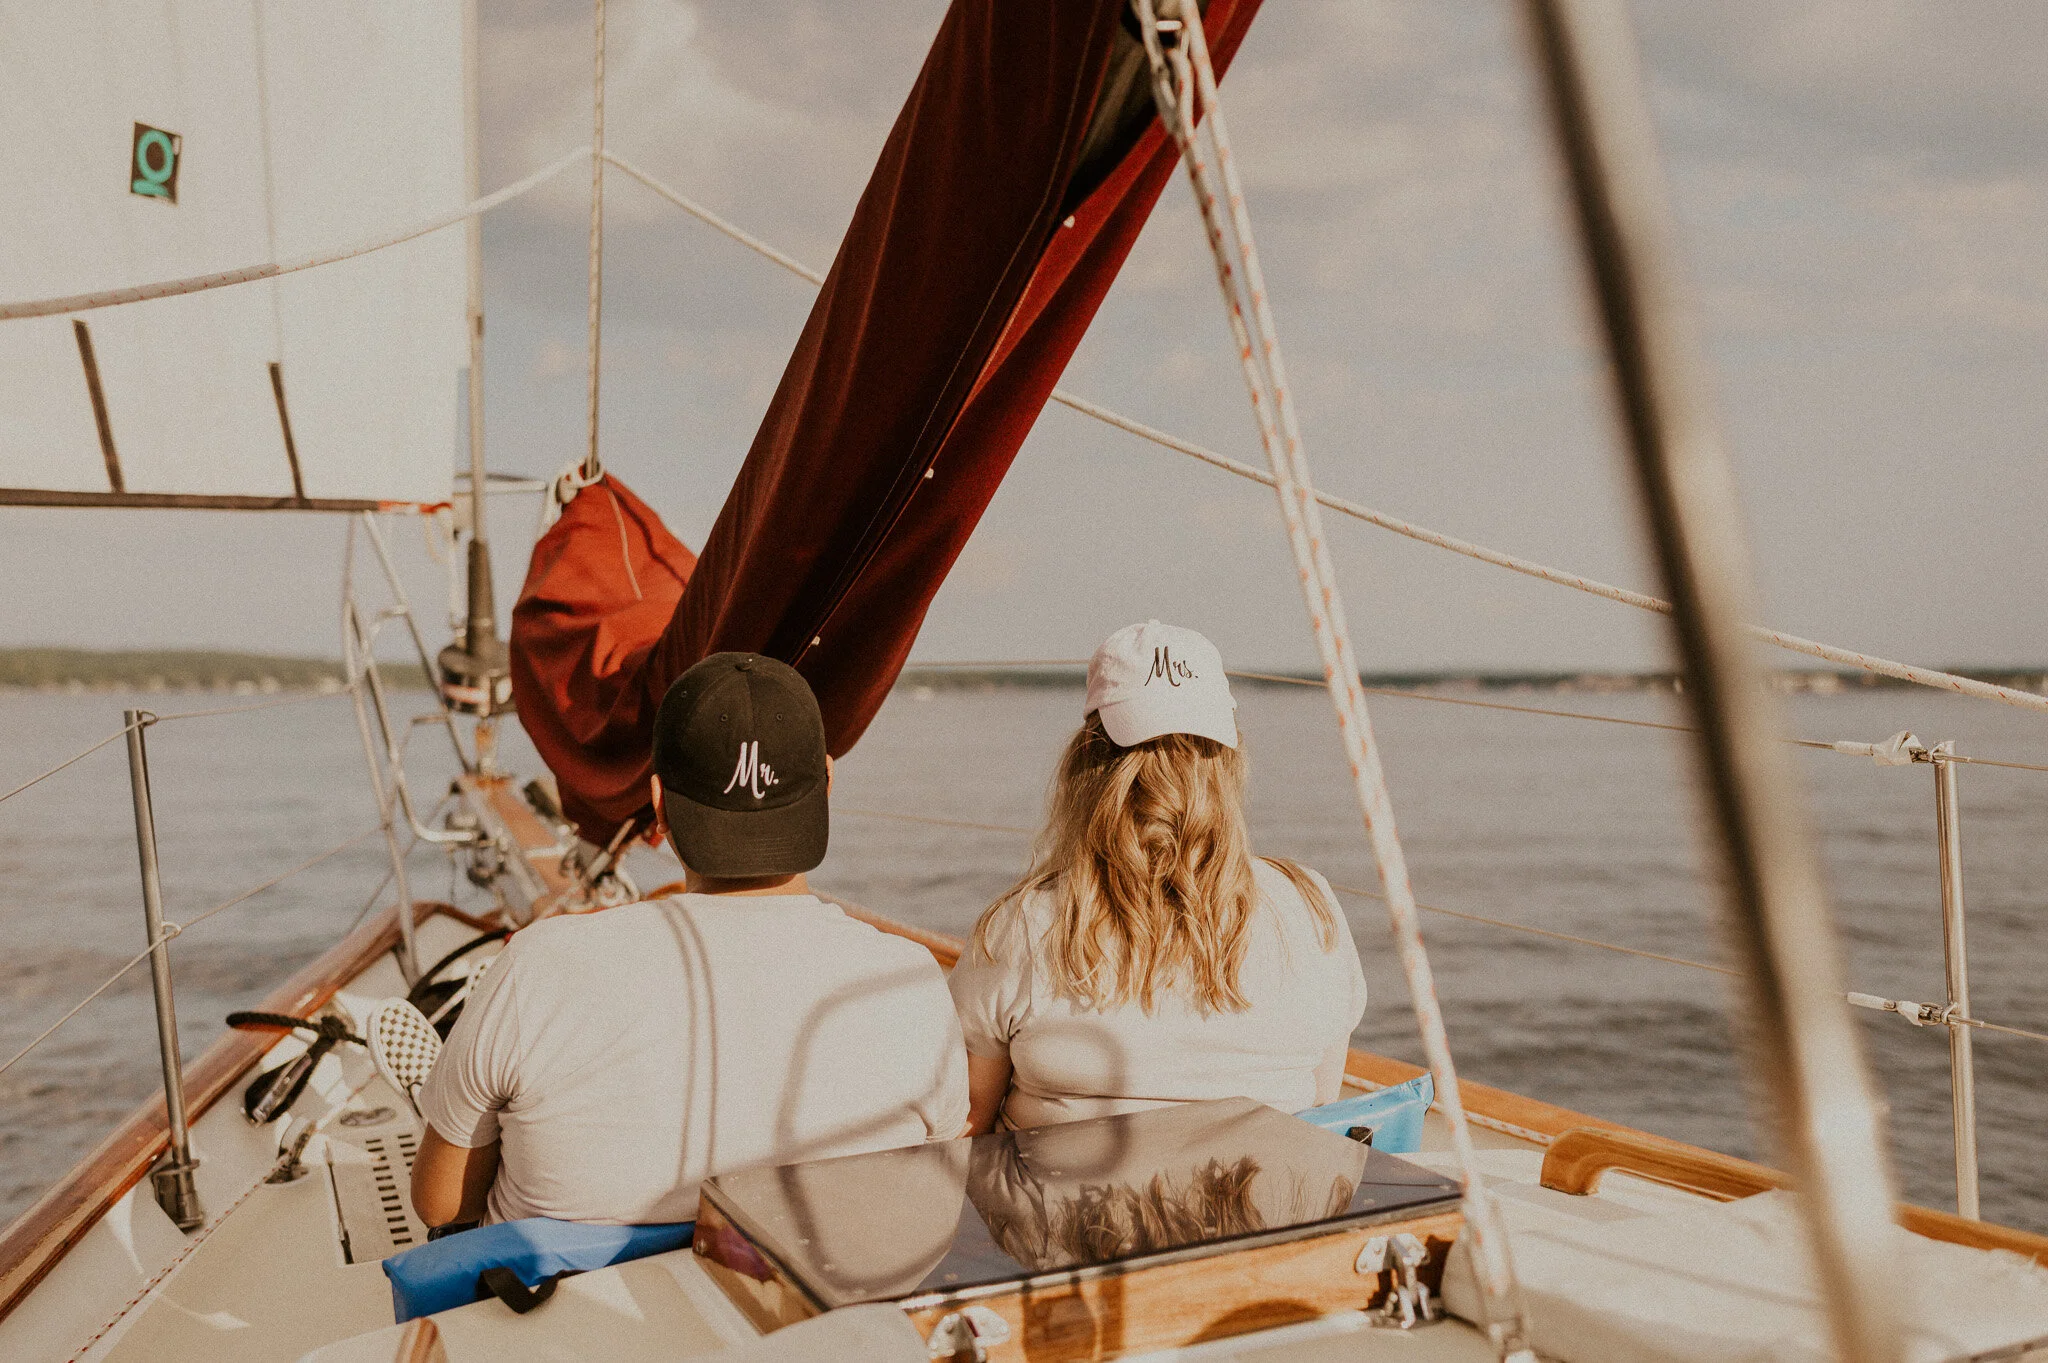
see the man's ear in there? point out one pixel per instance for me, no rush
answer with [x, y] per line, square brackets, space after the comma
[828, 774]
[659, 832]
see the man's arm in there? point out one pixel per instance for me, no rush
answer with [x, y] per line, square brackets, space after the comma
[451, 1183]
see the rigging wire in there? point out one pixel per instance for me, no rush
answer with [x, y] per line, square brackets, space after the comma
[172, 930]
[73, 760]
[171, 288]
[1870, 1001]
[299, 699]
[1866, 662]
[1410, 693]
[593, 468]
[122, 732]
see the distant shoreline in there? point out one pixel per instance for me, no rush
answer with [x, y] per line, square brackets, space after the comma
[1817, 682]
[77, 670]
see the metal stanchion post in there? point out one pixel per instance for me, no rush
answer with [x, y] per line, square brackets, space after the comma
[172, 1176]
[1962, 1081]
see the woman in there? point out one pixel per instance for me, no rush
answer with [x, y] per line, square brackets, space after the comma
[1148, 957]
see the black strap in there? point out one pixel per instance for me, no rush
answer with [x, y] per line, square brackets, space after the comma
[504, 1284]
[430, 976]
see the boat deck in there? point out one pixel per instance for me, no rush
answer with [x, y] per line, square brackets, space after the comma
[294, 1270]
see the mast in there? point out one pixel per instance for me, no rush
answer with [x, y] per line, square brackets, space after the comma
[475, 669]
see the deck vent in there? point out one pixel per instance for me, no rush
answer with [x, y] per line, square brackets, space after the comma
[377, 1219]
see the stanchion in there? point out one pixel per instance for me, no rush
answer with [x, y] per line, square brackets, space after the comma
[1962, 1072]
[172, 1176]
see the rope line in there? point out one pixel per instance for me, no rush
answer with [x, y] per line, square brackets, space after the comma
[716, 223]
[73, 760]
[1179, 74]
[1866, 662]
[299, 699]
[1410, 693]
[191, 1246]
[171, 288]
[592, 466]
[172, 930]
[76, 1008]
[1870, 1001]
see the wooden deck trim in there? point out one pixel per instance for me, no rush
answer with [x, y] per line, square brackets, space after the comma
[1528, 1118]
[1577, 1159]
[39, 1238]
[534, 858]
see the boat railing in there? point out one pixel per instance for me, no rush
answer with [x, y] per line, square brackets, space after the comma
[1953, 1014]
[365, 688]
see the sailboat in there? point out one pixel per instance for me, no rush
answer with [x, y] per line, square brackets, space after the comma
[273, 304]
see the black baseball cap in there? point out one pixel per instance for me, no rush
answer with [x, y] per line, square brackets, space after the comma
[740, 749]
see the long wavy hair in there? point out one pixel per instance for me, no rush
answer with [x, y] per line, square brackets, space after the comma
[1147, 859]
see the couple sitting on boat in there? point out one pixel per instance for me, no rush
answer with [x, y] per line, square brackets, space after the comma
[612, 1061]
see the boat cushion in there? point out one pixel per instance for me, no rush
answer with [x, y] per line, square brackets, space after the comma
[1393, 1115]
[1732, 1283]
[446, 1273]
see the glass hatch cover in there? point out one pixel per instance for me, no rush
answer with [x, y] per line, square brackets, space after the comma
[1011, 1206]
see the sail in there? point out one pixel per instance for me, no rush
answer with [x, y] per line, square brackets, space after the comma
[1013, 185]
[155, 139]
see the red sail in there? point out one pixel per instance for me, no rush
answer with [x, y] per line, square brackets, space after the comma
[964, 282]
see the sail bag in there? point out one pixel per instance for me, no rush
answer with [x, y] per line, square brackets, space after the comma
[1009, 192]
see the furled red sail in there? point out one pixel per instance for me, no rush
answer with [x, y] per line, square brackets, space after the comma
[1009, 192]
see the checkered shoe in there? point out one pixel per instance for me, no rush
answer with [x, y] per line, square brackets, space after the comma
[403, 1045]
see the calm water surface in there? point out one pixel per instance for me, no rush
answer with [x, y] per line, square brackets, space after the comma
[1580, 828]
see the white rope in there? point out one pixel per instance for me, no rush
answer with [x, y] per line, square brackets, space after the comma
[170, 288]
[592, 466]
[712, 220]
[1908, 672]
[1266, 380]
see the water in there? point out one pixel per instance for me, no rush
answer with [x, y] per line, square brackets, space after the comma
[1581, 828]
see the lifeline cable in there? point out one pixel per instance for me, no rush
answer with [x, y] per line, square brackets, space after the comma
[171, 288]
[1866, 662]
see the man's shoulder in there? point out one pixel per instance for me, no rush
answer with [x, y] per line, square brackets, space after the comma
[577, 935]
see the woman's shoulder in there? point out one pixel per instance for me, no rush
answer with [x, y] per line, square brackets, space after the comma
[1289, 882]
[1012, 927]
[1300, 899]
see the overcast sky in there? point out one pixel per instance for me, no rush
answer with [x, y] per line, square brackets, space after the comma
[1862, 189]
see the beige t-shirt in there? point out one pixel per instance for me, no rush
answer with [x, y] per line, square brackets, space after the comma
[624, 1056]
[1071, 1061]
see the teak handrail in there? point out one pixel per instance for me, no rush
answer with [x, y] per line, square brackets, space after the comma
[34, 1242]
[1577, 1159]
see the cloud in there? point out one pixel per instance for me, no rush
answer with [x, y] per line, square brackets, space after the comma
[1861, 188]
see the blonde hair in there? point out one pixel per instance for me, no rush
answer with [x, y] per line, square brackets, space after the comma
[1148, 862]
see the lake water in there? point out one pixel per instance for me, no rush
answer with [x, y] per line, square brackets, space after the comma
[1581, 828]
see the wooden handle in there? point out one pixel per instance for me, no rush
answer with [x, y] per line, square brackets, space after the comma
[1577, 1159]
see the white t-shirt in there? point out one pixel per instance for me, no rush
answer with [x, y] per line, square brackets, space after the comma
[624, 1056]
[1070, 1061]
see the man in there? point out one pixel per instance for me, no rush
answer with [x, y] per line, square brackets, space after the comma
[612, 1061]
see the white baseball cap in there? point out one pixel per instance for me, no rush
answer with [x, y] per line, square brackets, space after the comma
[1153, 679]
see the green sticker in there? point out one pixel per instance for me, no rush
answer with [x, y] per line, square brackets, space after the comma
[153, 163]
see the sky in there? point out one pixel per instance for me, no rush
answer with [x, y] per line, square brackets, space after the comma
[1862, 196]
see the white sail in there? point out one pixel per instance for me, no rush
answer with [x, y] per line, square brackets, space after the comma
[153, 139]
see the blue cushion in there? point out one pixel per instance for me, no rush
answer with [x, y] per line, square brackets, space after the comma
[444, 1273]
[1394, 1114]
